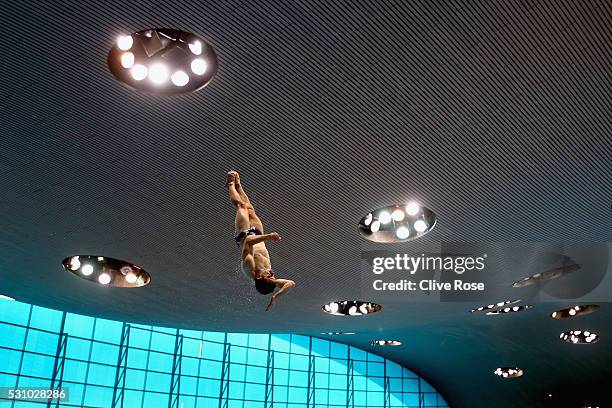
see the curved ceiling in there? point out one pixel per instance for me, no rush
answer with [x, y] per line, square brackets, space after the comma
[496, 116]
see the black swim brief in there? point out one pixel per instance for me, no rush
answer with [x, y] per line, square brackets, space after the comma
[245, 233]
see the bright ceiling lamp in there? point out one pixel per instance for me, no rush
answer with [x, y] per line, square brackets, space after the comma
[127, 60]
[385, 343]
[338, 333]
[574, 311]
[5, 297]
[180, 78]
[107, 271]
[397, 223]
[412, 208]
[402, 232]
[384, 217]
[579, 337]
[199, 66]
[163, 61]
[139, 72]
[508, 372]
[375, 227]
[104, 278]
[125, 42]
[74, 263]
[158, 73]
[398, 215]
[87, 269]
[351, 308]
[420, 225]
[196, 47]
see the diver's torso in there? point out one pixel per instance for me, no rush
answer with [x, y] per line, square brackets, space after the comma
[255, 258]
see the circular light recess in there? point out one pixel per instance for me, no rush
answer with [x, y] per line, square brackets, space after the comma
[131, 277]
[398, 215]
[579, 337]
[158, 73]
[107, 271]
[494, 306]
[508, 372]
[375, 226]
[196, 47]
[397, 223]
[180, 78]
[199, 66]
[546, 276]
[402, 232]
[384, 217]
[139, 72]
[125, 43]
[351, 308]
[386, 343]
[506, 310]
[6, 297]
[87, 269]
[420, 225]
[412, 208]
[338, 333]
[173, 61]
[104, 278]
[74, 263]
[574, 311]
[127, 60]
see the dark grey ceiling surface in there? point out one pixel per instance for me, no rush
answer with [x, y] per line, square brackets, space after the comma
[496, 115]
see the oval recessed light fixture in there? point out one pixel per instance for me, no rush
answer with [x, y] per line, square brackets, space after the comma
[5, 297]
[495, 305]
[579, 337]
[338, 333]
[385, 343]
[351, 308]
[506, 310]
[546, 276]
[173, 61]
[107, 271]
[574, 311]
[397, 223]
[509, 372]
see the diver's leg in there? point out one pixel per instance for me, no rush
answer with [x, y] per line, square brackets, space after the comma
[240, 190]
[242, 211]
[254, 220]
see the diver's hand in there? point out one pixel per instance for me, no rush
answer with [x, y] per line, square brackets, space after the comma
[274, 236]
[271, 303]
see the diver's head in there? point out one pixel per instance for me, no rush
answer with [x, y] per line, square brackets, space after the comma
[264, 287]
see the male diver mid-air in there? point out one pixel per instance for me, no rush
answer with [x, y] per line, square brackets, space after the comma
[250, 236]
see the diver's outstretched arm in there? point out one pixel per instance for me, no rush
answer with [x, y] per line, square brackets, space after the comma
[284, 285]
[256, 239]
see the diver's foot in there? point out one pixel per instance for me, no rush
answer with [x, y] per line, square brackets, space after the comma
[232, 176]
[271, 303]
